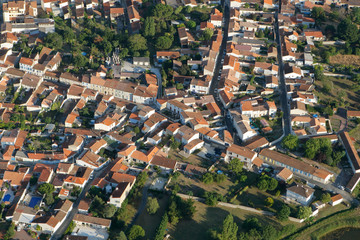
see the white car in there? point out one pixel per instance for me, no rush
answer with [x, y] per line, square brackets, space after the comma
[215, 90]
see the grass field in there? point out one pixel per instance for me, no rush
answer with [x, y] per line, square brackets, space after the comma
[151, 222]
[345, 60]
[209, 218]
[353, 98]
[192, 159]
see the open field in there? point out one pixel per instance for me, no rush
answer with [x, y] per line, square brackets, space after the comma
[347, 218]
[192, 159]
[353, 98]
[151, 222]
[345, 60]
[208, 218]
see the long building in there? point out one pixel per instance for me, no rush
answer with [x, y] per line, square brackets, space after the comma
[351, 152]
[298, 167]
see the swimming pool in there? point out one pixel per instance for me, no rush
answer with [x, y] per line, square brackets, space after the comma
[6, 198]
[34, 201]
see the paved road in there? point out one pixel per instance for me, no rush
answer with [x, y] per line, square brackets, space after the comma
[283, 94]
[215, 81]
[58, 234]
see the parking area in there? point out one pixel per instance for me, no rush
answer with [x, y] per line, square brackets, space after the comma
[91, 233]
[127, 66]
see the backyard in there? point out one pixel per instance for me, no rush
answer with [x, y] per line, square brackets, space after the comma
[192, 159]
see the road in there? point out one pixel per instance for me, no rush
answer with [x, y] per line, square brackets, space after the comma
[215, 81]
[60, 231]
[283, 93]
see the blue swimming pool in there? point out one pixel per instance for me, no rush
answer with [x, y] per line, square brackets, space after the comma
[34, 201]
[6, 197]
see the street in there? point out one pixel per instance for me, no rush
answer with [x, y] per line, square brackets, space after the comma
[60, 231]
[285, 108]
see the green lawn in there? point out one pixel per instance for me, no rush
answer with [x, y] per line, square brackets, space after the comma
[208, 218]
[151, 222]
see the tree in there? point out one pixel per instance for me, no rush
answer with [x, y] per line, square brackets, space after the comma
[290, 142]
[149, 27]
[211, 198]
[49, 199]
[136, 232]
[152, 205]
[325, 197]
[348, 31]
[163, 42]
[251, 223]
[319, 14]
[10, 232]
[229, 229]
[272, 184]
[137, 42]
[121, 236]
[284, 213]
[162, 11]
[109, 211]
[54, 40]
[207, 178]
[303, 212]
[179, 86]
[191, 24]
[136, 130]
[269, 202]
[141, 179]
[80, 61]
[173, 213]
[235, 165]
[262, 184]
[46, 188]
[269, 233]
[162, 228]
[207, 34]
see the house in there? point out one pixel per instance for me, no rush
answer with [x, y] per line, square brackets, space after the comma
[300, 193]
[48, 224]
[94, 222]
[141, 61]
[271, 82]
[298, 108]
[167, 165]
[244, 154]
[337, 199]
[120, 193]
[284, 175]
[351, 152]
[314, 35]
[91, 160]
[298, 167]
[241, 124]
[84, 206]
[133, 14]
[194, 145]
[176, 107]
[162, 56]
[292, 72]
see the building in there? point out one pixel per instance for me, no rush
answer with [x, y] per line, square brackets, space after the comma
[92, 221]
[301, 194]
[351, 152]
[298, 167]
[244, 154]
[337, 199]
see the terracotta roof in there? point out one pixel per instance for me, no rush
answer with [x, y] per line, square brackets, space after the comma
[285, 174]
[336, 198]
[163, 162]
[122, 177]
[242, 151]
[92, 220]
[350, 149]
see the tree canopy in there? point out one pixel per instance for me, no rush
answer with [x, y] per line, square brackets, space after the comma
[290, 142]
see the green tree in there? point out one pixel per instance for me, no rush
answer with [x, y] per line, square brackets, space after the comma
[152, 205]
[54, 40]
[207, 34]
[269, 233]
[149, 27]
[136, 232]
[262, 184]
[348, 31]
[319, 14]
[269, 202]
[137, 43]
[109, 210]
[325, 197]
[229, 229]
[303, 212]
[272, 184]
[162, 228]
[121, 236]
[207, 178]
[173, 213]
[191, 24]
[162, 11]
[290, 142]
[80, 61]
[163, 42]
[10, 232]
[284, 213]
[211, 198]
[136, 130]
[235, 165]
[46, 188]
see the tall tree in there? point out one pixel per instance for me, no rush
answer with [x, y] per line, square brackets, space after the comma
[229, 229]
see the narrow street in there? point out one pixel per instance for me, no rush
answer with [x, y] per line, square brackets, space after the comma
[61, 230]
[283, 93]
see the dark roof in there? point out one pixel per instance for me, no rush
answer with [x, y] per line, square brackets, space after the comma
[350, 149]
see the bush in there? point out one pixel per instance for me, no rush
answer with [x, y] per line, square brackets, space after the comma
[152, 205]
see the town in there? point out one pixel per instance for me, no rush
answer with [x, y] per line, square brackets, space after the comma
[179, 119]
